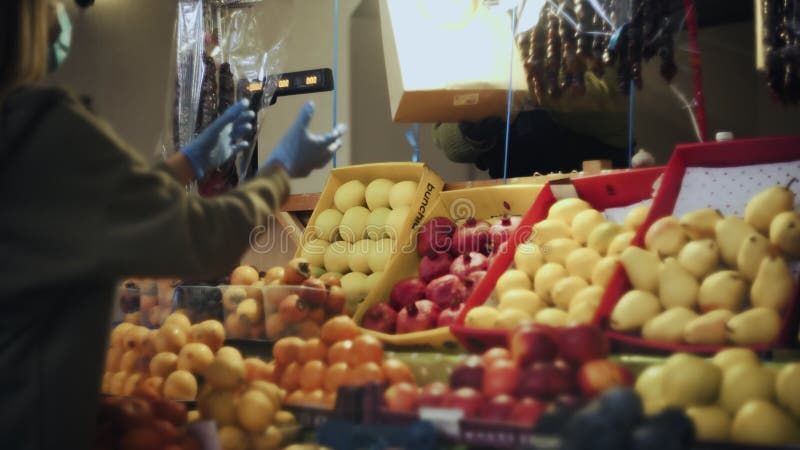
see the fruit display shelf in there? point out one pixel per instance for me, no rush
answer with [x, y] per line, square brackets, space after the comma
[613, 190]
[720, 176]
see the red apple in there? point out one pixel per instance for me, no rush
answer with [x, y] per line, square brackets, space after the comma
[433, 394]
[527, 411]
[594, 377]
[546, 381]
[494, 354]
[449, 315]
[446, 289]
[402, 397]
[435, 236]
[406, 292]
[467, 263]
[469, 373]
[418, 316]
[380, 317]
[531, 343]
[580, 343]
[466, 399]
[501, 377]
[498, 408]
[431, 267]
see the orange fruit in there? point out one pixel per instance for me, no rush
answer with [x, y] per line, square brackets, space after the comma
[366, 373]
[330, 400]
[366, 348]
[307, 329]
[312, 376]
[244, 275]
[339, 328]
[316, 398]
[314, 349]
[297, 397]
[180, 385]
[336, 375]
[274, 327]
[287, 350]
[397, 371]
[340, 352]
[290, 378]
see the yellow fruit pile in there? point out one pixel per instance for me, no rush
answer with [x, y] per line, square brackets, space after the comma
[559, 277]
[357, 237]
[164, 362]
[731, 398]
[709, 279]
[247, 413]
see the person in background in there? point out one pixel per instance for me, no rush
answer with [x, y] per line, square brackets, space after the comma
[555, 135]
[81, 209]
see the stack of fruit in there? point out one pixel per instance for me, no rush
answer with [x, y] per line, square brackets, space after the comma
[311, 371]
[731, 398]
[356, 238]
[709, 279]
[454, 260]
[142, 423]
[541, 367]
[162, 362]
[559, 277]
[247, 411]
[297, 303]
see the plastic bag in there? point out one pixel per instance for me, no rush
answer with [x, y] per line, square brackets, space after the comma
[225, 50]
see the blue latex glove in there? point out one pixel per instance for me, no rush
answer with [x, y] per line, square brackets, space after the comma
[218, 142]
[300, 151]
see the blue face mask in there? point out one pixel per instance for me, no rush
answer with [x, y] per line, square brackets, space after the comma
[59, 49]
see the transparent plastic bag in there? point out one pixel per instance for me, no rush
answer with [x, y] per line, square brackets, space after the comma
[226, 50]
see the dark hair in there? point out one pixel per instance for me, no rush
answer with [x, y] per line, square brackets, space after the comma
[23, 43]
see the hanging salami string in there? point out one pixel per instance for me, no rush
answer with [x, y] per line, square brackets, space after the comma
[569, 59]
[553, 58]
[535, 64]
[782, 47]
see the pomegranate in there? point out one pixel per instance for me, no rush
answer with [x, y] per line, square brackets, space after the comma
[472, 281]
[434, 266]
[502, 230]
[418, 316]
[468, 263]
[471, 236]
[435, 236]
[407, 291]
[449, 314]
[380, 317]
[446, 289]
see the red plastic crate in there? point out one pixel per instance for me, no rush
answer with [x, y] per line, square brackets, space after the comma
[738, 153]
[601, 191]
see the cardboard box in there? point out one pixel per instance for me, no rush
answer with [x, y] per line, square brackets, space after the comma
[481, 203]
[445, 63]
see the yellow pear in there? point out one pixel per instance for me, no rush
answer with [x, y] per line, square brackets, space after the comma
[700, 224]
[580, 262]
[668, 326]
[591, 294]
[528, 258]
[708, 329]
[665, 237]
[620, 242]
[522, 299]
[633, 310]
[636, 218]
[787, 388]
[725, 289]
[565, 289]
[754, 326]
[509, 318]
[784, 232]
[648, 383]
[773, 286]
[711, 423]
[700, 258]
[676, 286]
[550, 229]
[556, 250]
[642, 268]
[729, 233]
[764, 206]
[602, 235]
[584, 222]
[553, 317]
[755, 247]
[546, 278]
[759, 422]
[604, 270]
[745, 382]
[730, 357]
[565, 210]
[482, 317]
[582, 312]
[689, 380]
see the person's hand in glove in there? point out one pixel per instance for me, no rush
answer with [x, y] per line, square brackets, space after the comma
[301, 151]
[220, 141]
